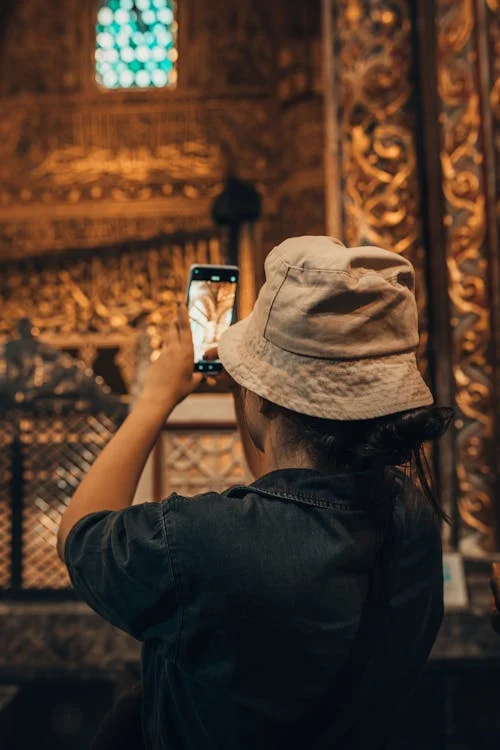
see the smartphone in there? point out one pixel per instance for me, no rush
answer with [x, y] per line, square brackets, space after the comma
[211, 302]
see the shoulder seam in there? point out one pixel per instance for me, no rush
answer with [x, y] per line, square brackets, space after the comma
[180, 600]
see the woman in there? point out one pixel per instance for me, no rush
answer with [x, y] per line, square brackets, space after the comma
[298, 611]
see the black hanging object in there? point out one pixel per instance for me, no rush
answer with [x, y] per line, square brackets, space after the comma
[238, 203]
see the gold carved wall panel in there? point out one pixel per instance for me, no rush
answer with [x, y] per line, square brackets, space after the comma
[377, 124]
[81, 177]
[493, 32]
[80, 166]
[467, 259]
[94, 302]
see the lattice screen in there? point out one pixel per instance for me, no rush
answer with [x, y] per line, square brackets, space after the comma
[6, 438]
[54, 452]
[197, 461]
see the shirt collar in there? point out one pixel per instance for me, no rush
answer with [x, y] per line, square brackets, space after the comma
[353, 489]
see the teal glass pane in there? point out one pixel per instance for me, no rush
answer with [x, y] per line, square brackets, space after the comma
[136, 44]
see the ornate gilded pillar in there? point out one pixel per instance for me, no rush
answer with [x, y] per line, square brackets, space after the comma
[468, 244]
[377, 132]
[416, 89]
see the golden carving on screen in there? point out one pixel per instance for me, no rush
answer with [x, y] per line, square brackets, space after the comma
[210, 312]
[202, 461]
[378, 123]
[462, 168]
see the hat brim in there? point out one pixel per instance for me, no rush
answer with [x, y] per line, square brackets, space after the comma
[331, 389]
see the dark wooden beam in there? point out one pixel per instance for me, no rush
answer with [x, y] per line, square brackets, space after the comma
[440, 334]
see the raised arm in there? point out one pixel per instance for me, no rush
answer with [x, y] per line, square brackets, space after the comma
[111, 482]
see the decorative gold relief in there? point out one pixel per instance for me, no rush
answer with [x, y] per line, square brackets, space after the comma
[190, 160]
[95, 302]
[102, 293]
[466, 252]
[378, 136]
[201, 461]
[44, 236]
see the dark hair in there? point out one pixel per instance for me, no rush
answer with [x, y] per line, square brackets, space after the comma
[396, 440]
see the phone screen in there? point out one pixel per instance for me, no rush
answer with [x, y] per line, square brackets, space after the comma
[211, 304]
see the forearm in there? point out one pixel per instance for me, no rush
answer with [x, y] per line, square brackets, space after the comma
[112, 480]
[253, 457]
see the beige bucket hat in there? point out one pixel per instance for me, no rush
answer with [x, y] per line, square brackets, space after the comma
[333, 332]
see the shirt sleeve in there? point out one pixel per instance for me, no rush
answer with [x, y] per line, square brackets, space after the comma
[119, 563]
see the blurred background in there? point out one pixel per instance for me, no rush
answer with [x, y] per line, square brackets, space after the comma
[140, 136]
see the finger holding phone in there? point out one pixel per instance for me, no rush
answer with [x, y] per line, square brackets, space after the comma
[170, 377]
[179, 367]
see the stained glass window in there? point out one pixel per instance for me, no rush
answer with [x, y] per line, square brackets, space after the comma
[136, 44]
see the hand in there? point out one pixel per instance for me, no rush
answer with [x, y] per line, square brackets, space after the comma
[170, 377]
[223, 378]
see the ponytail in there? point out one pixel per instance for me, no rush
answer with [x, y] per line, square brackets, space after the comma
[396, 440]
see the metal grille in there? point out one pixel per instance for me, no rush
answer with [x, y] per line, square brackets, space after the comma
[6, 438]
[55, 451]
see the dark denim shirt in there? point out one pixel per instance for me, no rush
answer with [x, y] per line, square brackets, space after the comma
[248, 602]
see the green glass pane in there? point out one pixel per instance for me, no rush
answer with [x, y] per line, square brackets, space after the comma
[135, 42]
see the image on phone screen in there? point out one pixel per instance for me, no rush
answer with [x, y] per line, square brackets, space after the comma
[211, 308]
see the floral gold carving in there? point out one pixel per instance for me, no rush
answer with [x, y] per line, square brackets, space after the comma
[378, 137]
[466, 253]
[99, 294]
